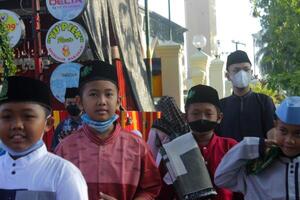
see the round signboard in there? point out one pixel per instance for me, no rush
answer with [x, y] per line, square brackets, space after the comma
[14, 24]
[66, 9]
[65, 75]
[66, 41]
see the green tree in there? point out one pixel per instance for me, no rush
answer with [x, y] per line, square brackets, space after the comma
[6, 53]
[261, 86]
[280, 43]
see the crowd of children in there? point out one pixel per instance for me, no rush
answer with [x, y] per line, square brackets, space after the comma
[101, 160]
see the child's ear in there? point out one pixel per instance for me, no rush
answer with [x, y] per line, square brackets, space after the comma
[79, 102]
[49, 123]
[119, 100]
[220, 117]
[227, 75]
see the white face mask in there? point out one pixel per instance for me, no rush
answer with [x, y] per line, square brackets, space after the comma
[241, 79]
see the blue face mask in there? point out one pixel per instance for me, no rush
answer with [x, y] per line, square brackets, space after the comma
[100, 127]
[14, 153]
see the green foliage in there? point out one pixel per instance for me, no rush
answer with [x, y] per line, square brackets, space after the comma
[262, 86]
[6, 53]
[280, 43]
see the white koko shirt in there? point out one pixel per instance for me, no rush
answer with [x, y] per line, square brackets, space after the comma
[40, 175]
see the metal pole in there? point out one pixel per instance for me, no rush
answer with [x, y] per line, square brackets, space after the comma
[148, 60]
[37, 38]
[170, 28]
[254, 41]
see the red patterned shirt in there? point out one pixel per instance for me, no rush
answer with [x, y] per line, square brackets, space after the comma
[120, 165]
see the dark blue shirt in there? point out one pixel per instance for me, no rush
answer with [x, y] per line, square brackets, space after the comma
[249, 115]
[64, 129]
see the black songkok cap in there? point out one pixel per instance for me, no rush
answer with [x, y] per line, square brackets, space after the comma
[237, 56]
[24, 89]
[203, 94]
[71, 92]
[98, 70]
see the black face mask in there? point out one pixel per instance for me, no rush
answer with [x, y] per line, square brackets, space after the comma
[73, 110]
[202, 125]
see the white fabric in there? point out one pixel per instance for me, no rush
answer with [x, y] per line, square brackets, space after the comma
[43, 171]
[152, 137]
[277, 182]
[176, 148]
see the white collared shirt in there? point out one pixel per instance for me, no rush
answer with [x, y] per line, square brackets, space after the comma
[41, 171]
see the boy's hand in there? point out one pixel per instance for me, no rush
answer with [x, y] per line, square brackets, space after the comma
[106, 197]
[270, 143]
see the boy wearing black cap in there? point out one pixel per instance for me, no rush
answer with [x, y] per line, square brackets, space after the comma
[115, 163]
[203, 114]
[246, 113]
[73, 122]
[27, 170]
[267, 169]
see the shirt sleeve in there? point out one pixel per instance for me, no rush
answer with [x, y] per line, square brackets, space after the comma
[150, 183]
[151, 142]
[72, 185]
[231, 171]
[59, 150]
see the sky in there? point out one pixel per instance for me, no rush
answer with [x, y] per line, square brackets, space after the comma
[234, 21]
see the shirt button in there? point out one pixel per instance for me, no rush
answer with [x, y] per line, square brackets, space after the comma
[292, 166]
[291, 172]
[14, 164]
[204, 148]
[13, 172]
[205, 162]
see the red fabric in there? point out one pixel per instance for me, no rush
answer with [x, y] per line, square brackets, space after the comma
[47, 138]
[120, 166]
[128, 101]
[121, 82]
[213, 154]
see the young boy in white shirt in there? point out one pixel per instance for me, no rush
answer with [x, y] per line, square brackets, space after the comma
[27, 169]
[265, 168]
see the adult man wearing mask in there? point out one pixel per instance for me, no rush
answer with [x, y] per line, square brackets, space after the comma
[73, 122]
[246, 113]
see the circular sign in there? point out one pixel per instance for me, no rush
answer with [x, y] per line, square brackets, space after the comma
[15, 26]
[65, 75]
[66, 41]
[66, 9]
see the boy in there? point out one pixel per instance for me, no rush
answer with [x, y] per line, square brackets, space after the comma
[278, 177]
[115, 163]
[27, 170]
[203, 114]
[73, 122]
[246, 113]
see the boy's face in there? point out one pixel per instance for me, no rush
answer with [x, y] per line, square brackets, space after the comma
[288, 138]
[100, 99]
[22, 124]
[207, 111]
[235, 68]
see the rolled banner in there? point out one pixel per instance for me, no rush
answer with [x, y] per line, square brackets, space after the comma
[187, 168]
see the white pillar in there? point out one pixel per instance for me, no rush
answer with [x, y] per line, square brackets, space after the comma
[172, 71]
[198, 69]
[217, 76]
